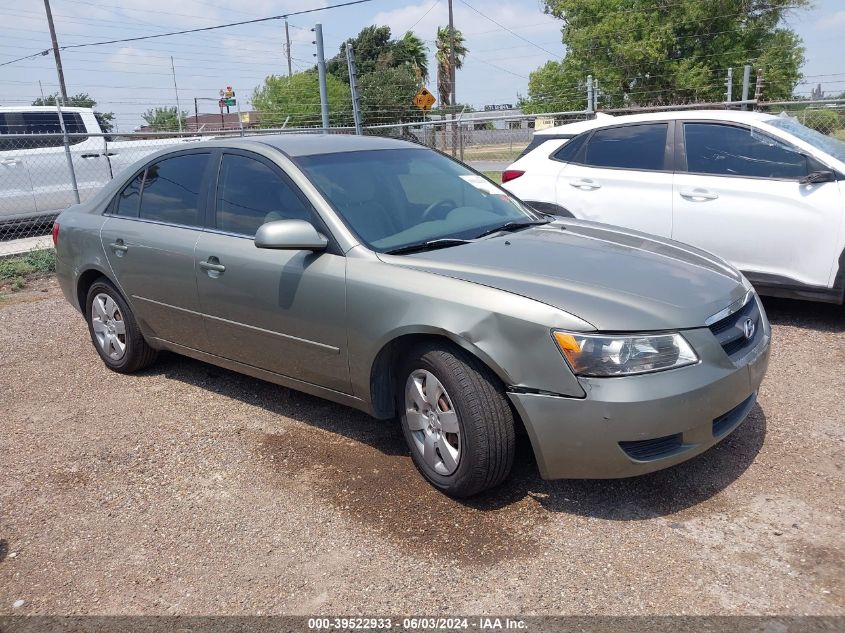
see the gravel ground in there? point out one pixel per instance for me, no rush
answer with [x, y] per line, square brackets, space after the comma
[188, 489]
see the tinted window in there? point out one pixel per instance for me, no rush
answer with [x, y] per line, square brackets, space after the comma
[628, 147]
[570, 149]
[249, 194]
[128, 199]
[44, 126]
[172, 190]
[725, 150]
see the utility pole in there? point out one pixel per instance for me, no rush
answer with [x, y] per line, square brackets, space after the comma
[56, 55]
[729, 84]
[590, 97]
[287, 48]
[176, 88]
[353, 87]
[321, 70]
[452, 75]
[746, 79]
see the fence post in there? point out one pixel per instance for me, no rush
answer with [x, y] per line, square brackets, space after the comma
[590, 102]
[746, 79]
[321, 69]
[353, 88]
[729, 84]
[758, 89]
[67, 152]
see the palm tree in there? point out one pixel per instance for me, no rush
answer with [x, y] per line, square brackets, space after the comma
[444, 64]
[415, 53]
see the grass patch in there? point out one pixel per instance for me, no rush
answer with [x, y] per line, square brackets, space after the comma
[17, 270]
[495, 176]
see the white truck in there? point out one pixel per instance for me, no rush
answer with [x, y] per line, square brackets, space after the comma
[35, 180]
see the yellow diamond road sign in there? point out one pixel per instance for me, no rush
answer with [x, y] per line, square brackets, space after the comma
[424, 99]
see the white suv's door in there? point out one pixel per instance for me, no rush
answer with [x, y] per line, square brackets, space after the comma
[622, 175]
[738, 194]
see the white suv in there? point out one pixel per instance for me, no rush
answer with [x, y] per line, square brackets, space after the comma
[762, 191]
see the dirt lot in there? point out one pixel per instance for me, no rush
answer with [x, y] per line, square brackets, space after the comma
[191, 489]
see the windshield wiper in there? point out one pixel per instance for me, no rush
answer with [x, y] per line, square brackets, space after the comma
[428, 245]
[511, 226]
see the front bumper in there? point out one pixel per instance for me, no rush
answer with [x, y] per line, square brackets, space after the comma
[638, 424]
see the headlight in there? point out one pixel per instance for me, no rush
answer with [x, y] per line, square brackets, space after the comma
[610, 355]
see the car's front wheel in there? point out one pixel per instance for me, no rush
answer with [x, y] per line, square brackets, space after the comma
[114, 331]
[456, 420]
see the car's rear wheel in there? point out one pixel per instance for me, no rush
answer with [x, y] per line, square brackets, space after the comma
[456, 420]
[114, 331]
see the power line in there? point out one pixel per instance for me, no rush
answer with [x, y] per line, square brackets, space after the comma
[502, 26]
[205, 28]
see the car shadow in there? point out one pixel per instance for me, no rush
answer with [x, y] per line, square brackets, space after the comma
[824, 317]
[657, 494]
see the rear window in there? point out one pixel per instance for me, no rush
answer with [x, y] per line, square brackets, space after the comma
[171, 190]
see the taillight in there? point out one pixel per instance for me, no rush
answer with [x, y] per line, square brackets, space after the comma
[510, 174]
[55, 234]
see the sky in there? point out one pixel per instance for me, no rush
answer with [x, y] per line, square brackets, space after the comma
[507, 39]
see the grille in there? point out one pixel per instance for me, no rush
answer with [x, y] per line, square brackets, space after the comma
[647, 450]
[730, 331]
[727, 421]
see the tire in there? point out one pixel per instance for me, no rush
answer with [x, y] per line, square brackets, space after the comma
[473, 403]
[114, 331]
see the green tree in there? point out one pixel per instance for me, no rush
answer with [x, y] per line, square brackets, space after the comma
[651, 52]
[297, 100]
[165, 119]
[412, 52]
[387, 96]
[81, 100]
[371, 46]
[444, 62]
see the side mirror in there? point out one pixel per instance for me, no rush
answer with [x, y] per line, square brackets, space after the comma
[815, 177]
[290, 235]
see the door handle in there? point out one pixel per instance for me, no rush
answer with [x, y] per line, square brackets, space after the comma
[90, 155]
[118, 247]
[698, 194]
[584, 183]
[212, 265]
[10, 161]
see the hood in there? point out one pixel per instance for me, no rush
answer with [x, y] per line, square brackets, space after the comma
[616, 279]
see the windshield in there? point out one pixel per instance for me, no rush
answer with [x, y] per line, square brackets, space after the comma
[394, 198]
[827, 144]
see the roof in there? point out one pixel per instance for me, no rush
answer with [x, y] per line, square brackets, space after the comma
[605, 120]
[310, 144]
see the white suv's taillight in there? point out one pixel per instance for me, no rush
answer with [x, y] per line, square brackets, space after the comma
[510, 174]
[55, 234]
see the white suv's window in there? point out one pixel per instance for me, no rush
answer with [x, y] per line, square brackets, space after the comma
[44, 127]
[628, 147]
[727, 150]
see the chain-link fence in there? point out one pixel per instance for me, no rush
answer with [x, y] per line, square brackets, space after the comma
[42, 174]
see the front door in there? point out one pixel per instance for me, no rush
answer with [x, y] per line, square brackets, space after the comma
[150, 238]
[279, 310]
[741, 198]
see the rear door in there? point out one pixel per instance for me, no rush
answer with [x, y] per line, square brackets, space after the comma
[16, 195]
[47, 160]
[149, 238]
[622, 175]
[280, 310]
[738, 194]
